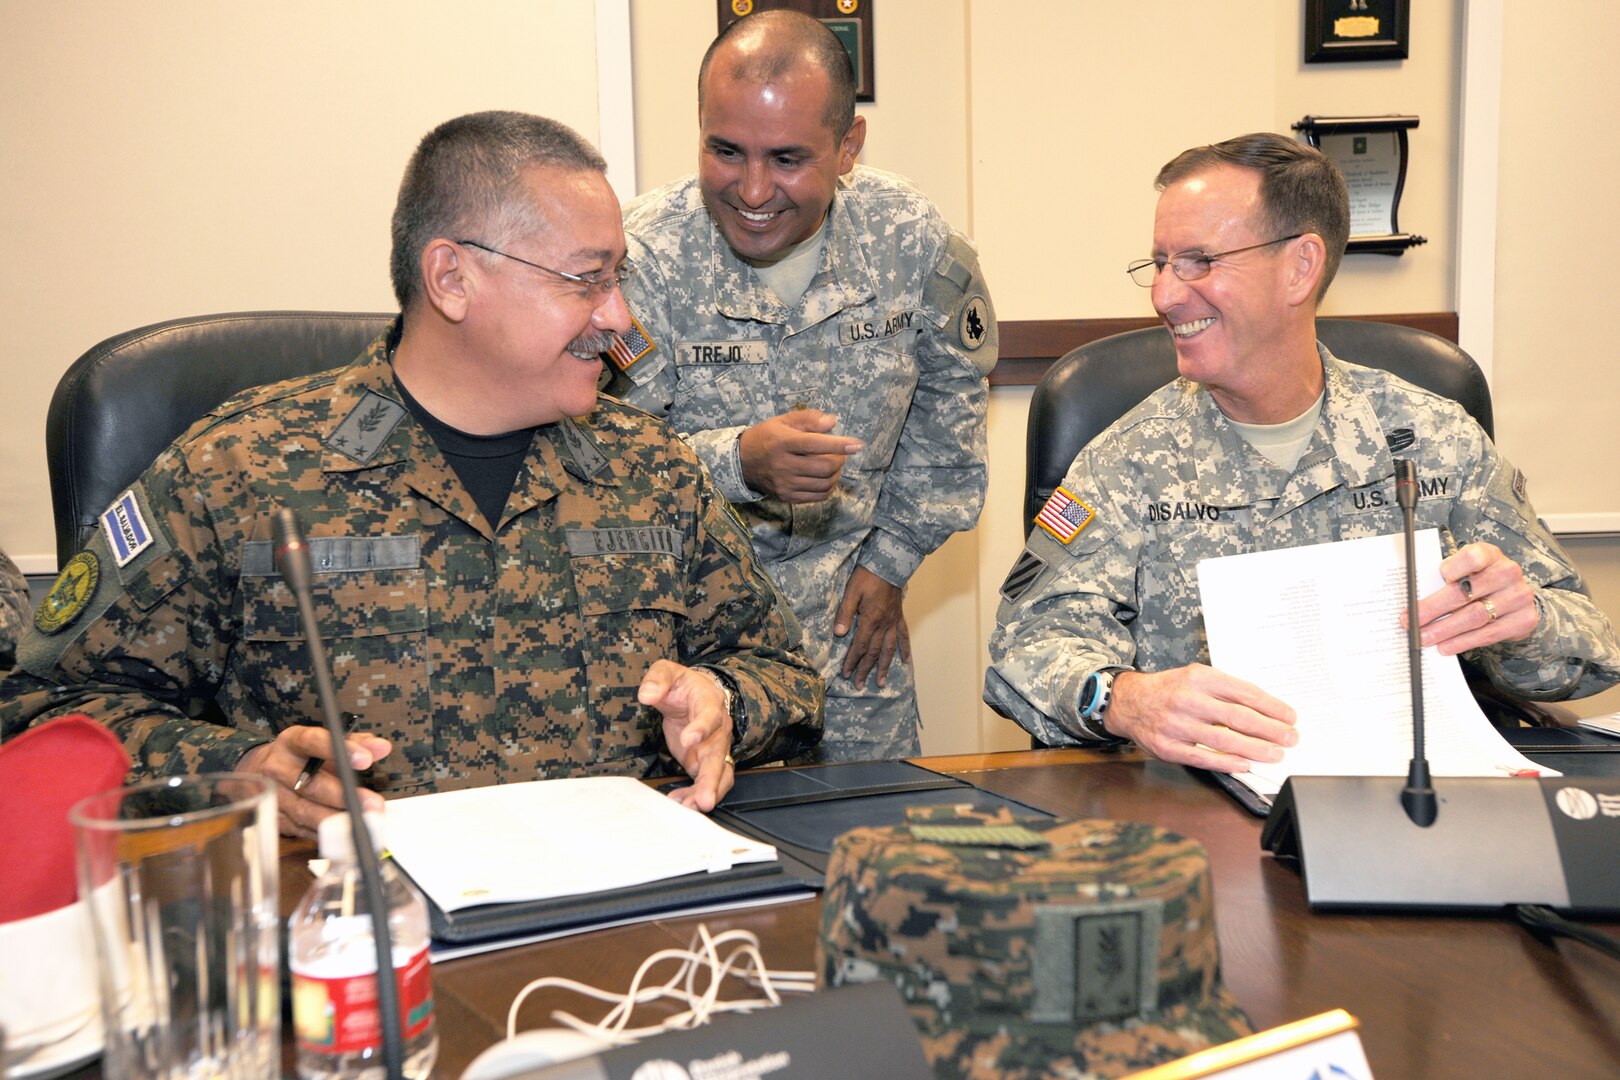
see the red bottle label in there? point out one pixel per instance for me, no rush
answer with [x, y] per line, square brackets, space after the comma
[339, 1015]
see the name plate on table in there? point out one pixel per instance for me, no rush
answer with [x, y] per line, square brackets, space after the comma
[1327, 1046]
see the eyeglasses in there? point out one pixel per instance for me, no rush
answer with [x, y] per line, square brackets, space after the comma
[596, 285]
[1189, 265]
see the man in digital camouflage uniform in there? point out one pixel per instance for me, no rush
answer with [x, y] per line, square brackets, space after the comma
[821, 335]
[1266, 441]
[514, 579]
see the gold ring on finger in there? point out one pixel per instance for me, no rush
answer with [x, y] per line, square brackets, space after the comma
[1490, 608]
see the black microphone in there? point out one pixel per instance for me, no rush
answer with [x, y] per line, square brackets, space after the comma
[1417, 797]
[293, 562]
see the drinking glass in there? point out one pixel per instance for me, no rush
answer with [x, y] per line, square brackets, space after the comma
[181, 875]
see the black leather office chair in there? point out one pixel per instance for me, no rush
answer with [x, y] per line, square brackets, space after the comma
[1092, 386]
[125, 400]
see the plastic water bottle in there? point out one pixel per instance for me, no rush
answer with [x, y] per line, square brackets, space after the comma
[334, 961]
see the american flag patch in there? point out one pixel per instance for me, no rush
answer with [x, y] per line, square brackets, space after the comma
[126, 529]
[1064, 516]
[630, 347]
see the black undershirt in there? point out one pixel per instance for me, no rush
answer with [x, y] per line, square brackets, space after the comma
[487, 465]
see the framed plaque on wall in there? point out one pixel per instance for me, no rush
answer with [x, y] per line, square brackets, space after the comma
[1341, 30]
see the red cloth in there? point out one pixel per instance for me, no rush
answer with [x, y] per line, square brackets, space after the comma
[43, 772]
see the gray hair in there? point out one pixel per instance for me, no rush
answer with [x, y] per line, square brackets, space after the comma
[465, 181]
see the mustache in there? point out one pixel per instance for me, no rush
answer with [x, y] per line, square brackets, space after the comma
[592, 341]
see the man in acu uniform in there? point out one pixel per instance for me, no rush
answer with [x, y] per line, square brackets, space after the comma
[1266, 441]
[515, 579]
[821, 335]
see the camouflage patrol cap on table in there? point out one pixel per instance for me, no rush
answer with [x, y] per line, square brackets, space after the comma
[1032, 948]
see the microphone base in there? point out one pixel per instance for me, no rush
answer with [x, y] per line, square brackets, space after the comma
[1494, 842]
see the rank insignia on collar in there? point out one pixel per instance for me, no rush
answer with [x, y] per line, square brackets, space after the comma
[630, 346]
[1064, 516]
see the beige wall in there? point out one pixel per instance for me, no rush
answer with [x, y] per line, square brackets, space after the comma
[190, 157]
[1556, 382]
[1556, 220]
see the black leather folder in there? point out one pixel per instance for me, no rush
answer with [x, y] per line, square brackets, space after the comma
[671, 896]
[802, 811]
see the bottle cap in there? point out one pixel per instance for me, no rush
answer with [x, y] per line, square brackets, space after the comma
[337, 839]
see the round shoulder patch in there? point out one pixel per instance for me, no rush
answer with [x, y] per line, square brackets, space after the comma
[72, 590]
[973, 325]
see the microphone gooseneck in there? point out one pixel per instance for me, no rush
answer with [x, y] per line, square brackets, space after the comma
[1417, 797]
[293, 562]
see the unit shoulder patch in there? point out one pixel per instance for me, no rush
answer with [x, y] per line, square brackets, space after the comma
[70, 594]
[973, 324]
[1022, 576]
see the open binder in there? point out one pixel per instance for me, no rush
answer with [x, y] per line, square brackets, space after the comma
[800, 811]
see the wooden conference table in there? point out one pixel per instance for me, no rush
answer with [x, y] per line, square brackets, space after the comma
[1437, 996]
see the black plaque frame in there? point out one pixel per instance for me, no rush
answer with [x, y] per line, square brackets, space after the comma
[849, 20]
[1394, 242]
[1334, 30]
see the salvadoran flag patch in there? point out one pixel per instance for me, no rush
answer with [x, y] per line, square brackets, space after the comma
[127, 534]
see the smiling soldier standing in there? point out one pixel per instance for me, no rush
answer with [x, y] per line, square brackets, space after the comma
[821, 335]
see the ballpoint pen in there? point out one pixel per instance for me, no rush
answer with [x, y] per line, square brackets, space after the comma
[314, 764]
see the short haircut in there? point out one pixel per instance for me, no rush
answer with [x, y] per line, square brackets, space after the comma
[465, 181]
[785, 39]
[1301, 190]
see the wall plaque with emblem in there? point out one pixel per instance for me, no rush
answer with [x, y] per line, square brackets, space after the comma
[849, 20]
[1371, 153]
[1341, 30]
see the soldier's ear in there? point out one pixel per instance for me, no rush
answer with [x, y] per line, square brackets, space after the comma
[446, 279]
[849, 147]
[1305, 262]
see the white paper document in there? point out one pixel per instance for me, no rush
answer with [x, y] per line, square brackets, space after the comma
[550, 838]
[1319, 627]
[1608, 724]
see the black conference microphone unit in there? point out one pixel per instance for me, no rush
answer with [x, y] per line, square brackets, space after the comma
[1471, 842]
[293, 562]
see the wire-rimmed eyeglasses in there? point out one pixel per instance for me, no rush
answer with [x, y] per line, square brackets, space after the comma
[596, 285]
[1189, 265]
